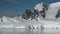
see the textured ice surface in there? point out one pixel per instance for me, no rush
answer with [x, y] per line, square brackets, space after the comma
[16, 22]
[32, 24]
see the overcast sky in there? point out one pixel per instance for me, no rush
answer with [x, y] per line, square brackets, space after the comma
[15, 7]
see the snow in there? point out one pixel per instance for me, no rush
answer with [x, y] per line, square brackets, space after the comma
[52, 10]
[49, 22]
[39, 7]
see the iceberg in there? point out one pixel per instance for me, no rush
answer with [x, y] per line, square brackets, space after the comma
[50, 21]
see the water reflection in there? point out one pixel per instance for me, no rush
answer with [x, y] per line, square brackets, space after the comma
[50, 31]
[29, 31]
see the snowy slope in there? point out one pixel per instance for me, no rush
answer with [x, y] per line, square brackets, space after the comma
[52, 10]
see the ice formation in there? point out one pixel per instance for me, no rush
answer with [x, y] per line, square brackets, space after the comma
[52, 10]
[48, 22]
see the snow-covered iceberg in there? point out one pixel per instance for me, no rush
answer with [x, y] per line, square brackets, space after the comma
[50, 21]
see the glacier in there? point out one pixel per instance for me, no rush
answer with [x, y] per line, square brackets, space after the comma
[48, 22]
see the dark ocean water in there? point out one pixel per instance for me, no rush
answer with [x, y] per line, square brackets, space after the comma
[29, 31]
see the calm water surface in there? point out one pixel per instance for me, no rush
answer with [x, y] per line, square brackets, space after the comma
[29, 31]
